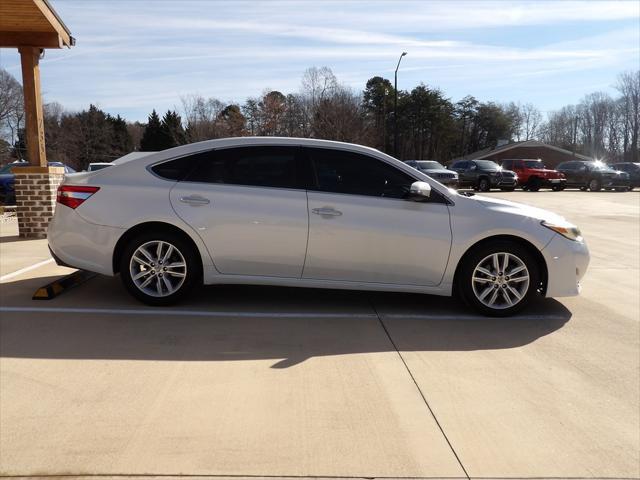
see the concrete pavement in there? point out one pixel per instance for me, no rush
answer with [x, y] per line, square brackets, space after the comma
[249, 381]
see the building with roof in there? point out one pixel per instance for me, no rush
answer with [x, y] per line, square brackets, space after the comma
[551, 155]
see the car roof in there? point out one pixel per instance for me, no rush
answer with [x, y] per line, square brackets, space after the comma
[192, 148]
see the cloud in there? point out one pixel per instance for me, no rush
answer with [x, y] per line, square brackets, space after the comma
[131, 58]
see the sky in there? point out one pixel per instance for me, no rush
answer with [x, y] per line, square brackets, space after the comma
[132, 56]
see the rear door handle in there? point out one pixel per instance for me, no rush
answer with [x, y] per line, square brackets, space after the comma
[194, 200]
[327, 211]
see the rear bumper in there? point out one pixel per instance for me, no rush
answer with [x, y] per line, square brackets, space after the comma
[76, 243]
[567, 262]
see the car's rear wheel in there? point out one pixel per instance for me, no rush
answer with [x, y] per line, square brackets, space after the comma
[484, 185]
[594, 185]
[159, 268]
[557, 188]
[499, 279]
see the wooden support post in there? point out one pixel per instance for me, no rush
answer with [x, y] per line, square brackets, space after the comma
[30, 57]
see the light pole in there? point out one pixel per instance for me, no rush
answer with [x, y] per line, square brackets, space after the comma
[395, 107]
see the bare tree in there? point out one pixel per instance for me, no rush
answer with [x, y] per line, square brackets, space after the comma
[200, 115]
[11, 110]
[629, 87]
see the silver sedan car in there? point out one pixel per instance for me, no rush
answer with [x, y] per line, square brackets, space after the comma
[307, 213]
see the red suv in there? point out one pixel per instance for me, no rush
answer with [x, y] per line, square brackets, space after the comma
[533, 175]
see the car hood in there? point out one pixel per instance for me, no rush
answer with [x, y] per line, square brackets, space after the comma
[6, 177]
[515, 208]
[429, 171]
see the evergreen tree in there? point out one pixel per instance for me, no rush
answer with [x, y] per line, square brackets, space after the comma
[173, 133]
[121, 142]
[153, 138]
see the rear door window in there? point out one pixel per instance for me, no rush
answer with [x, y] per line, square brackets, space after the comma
[259, 166]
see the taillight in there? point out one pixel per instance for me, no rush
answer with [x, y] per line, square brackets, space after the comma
[73, 195]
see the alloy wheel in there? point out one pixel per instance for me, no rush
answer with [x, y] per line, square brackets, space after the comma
[158, 268]
[500, 280]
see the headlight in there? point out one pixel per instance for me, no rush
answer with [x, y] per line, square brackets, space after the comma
[566, 229]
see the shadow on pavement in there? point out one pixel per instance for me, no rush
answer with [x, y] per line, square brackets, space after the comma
[416, 322]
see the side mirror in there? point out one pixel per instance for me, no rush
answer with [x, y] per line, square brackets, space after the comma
[419, 191]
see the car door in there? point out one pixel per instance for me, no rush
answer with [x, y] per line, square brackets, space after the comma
[568, 169]
[247, 205]
[362, 229]
[462, 168]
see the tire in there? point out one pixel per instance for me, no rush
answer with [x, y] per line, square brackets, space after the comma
[183, 261]
[482, 256]
[557, 188]
[622, 189]
[508, 189]
[535, 184]
[484, 185]
[594, 185]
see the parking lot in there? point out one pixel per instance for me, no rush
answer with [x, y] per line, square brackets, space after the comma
[257, 381]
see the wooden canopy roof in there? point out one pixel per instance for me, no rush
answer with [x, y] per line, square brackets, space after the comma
[32, 23]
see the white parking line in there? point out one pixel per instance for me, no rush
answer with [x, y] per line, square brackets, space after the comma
[9, 276]
[181, 313]
[217, 313]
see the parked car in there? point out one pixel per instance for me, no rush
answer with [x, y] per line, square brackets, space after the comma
[7, 179]
[98, 166]
[533, 175]
[436, 171]
[484, 175]
[633, 169]
[593, 175]
[307, 213]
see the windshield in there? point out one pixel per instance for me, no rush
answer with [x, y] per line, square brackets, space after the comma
[602, 167]
[429, 165]
[98, 166]
[534, 164]
[487, 165]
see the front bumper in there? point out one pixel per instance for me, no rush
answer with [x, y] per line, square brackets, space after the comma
[448, 182]
[615, 182]
[554, 182]
[503, 181]
[567, 262]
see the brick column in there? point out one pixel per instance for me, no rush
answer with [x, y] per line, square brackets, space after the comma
[36, 189]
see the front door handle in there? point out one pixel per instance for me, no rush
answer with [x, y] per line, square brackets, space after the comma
[194, 200]
[327, 212]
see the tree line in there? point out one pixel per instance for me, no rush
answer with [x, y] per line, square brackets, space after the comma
[429, 124]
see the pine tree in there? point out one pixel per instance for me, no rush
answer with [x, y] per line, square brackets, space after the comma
[153, 137]
[121, 142]
[173, 133]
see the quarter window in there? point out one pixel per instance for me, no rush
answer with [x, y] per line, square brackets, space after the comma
[179, 168]
[346, 172]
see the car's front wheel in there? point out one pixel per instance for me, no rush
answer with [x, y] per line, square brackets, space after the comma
[159, 268]
[499, 279]
[594, 185]
[484, 185]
